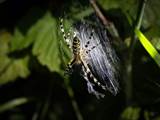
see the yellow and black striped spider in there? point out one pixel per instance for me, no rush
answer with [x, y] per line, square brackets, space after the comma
[88, 52]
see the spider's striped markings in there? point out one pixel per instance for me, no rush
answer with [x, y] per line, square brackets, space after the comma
[103, 61]
[79, 56]
[66, 37]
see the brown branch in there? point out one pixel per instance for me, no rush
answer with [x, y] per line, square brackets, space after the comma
[108, 24]
[99, 13]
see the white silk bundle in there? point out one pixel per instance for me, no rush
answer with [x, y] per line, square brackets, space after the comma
[102, 59]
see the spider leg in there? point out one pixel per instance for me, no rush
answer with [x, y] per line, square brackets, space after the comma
[92, 76]
[90, 85]
[66, 37]
[88, 43]
[91, 34]
[87, 51]
[87, 74]
[69, 67]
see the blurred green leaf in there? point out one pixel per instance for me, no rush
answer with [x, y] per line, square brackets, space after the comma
[156, 42]
[153, 34]
[46, 45]
[5, 38]
[81, 14]
[21, 41]
[157, 118]
[46, 42]
[148, 46]
[125, 5]
[131, 113]
[17, 117]
[13, 68]
[10, 68]
[146, 115]
[13, 103]
[151, 16]
[17, 41]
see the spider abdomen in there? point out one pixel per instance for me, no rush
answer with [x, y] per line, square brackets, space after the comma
[76, 46]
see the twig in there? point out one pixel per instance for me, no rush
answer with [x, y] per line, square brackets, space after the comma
[108, 24]
[99, 13]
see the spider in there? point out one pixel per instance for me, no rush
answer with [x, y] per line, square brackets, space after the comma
[81, 58]
[94, 54]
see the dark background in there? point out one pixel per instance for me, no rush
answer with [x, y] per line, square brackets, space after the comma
[47, 91]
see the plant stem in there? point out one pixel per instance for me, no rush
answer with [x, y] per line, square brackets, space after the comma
[73, 101]
[99, 13]
[138, 22]
[128, 77]
[47, 102]
[127, 74]
[108, 24]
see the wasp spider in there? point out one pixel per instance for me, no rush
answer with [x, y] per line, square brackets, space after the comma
[92, 51]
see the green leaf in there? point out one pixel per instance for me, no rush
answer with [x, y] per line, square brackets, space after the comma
[151, 16]
[13, 69]
[17, 40]
[82, 14]
[123, 4]
[44, 37]
[156, 42]
[46, 45]
[131, 113]
[10, 68]
[5, 38]
[13, 103]
[21, 41]
[148, 46]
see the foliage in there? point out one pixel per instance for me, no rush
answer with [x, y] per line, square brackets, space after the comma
[11, 68]
[33, 57]
[148, 46]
